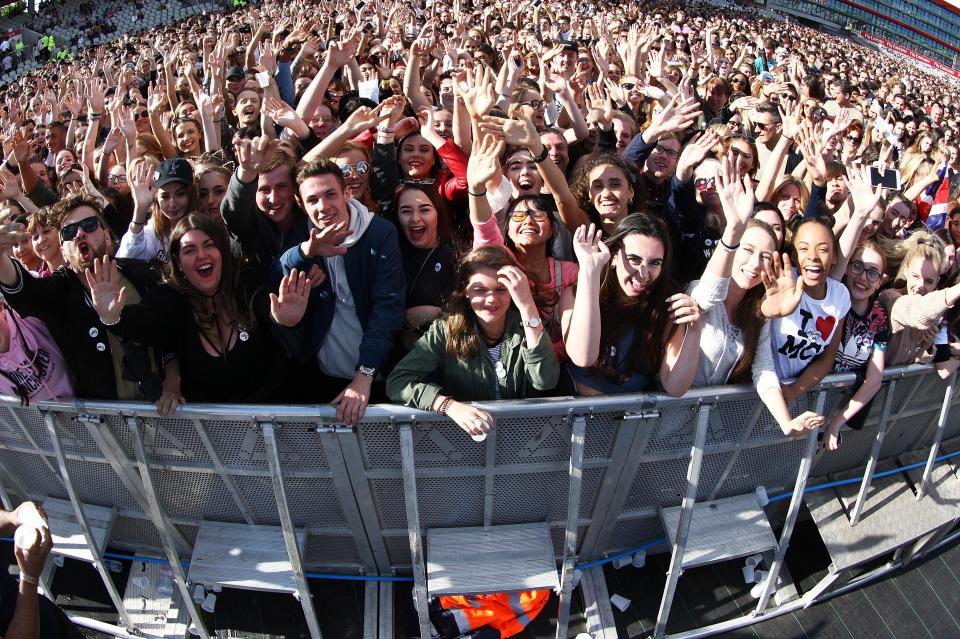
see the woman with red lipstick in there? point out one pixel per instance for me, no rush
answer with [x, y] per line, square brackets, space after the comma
[212, 313]
[630, 326]
[489, 344]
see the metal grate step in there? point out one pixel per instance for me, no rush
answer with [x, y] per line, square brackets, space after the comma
[722, 529]
[486, 560]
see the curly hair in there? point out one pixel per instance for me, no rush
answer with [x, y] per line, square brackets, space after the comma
[580, 185]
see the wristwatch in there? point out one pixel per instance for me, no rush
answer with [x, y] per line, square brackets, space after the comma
[533, 322]
[367, 370]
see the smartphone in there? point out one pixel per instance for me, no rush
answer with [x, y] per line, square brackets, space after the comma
[360, 5]
[368, 28]
[888, 180]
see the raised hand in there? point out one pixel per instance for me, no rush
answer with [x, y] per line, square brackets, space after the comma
[366, 118]
[783, 291]
[107, 296]
[679, 114]
[591, 252]
[518, 285]
[518, 131]
[695, 152]
[141, 186]
[9, 186]
[865, 197]
[284, 115]
[288, 305]
[736, 194]
[326, 242]
[476, 89]
[683, 309]
[251, 156]
[484, 162]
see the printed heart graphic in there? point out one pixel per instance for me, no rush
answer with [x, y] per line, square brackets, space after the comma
[824, 326]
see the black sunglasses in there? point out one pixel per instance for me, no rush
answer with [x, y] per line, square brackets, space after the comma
[88, 224]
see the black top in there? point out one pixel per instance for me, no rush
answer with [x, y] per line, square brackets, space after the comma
[250, 372]
[62, 303]
[53, 622]
[431, 274]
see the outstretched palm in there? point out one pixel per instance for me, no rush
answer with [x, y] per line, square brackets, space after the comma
[783, 291]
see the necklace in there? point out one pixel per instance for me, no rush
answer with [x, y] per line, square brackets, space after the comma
[420, 270]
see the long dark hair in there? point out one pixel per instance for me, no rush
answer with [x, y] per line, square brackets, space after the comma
[748, 316]
[463, 334]
[444, 221]
[545, 300]
[646, 316]
[225, 300]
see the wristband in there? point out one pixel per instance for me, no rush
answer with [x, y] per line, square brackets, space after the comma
[542, 156]
[444, 405]
[728, 247]
[113, 323]
[476, 194]
[25, 578]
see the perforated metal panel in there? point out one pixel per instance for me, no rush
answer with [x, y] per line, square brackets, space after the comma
[173, 441]
[528, 472]
[30, 471]
[195, 496]
[313, 502]
[329, 551]
[139, 533]
[531, 440]
[98, 485]
[753, 468]
[600, 432]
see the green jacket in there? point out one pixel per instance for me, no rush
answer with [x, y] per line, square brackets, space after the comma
[528, 369]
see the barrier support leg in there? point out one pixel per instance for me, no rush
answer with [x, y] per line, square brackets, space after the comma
[386, 611]
[370, 612]
[577, 434]
[874, 455]
[289, 533]
[163, 527]
[683, 526]
[935, 446]
[794, 510]
[82, 520]
[413, 528]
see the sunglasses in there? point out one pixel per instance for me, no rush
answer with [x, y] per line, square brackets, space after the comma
[361, 168]
[853, 138]
[764, 126]
[139, 115]
[536, 105]
[116, 179]
[705, 184]
[628, 85]
[519, 216]
[859, 268]
[88, 224]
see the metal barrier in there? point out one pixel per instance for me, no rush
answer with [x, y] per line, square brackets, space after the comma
[347, 488]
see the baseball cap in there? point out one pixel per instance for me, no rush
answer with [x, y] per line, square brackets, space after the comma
[175, 170]
[235, 72]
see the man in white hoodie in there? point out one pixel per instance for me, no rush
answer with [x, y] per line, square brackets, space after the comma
[356, 312]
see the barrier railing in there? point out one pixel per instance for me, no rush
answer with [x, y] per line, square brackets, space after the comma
[295, 467]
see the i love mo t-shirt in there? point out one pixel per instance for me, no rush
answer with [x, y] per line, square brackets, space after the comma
[801, 336]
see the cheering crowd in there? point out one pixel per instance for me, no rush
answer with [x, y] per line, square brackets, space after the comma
[434, 204]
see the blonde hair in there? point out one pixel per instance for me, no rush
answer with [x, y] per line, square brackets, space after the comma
[921, 244]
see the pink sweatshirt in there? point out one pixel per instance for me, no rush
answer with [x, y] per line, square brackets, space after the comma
[33, 360]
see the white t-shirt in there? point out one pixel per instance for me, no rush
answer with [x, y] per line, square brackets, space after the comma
[801, 336]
